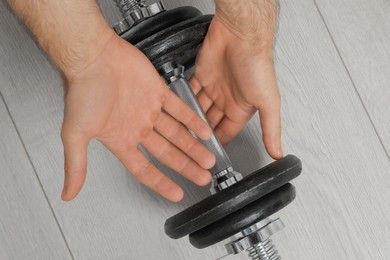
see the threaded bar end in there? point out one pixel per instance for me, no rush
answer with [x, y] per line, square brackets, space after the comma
[126, 6]
[264, 251]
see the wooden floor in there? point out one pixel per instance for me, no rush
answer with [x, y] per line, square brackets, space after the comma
[333, 65]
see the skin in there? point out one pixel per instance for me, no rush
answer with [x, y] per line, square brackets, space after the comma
[234, 73]
[97, 66]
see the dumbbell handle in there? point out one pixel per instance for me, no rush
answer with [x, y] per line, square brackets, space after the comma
[223, 174]
[182, 88]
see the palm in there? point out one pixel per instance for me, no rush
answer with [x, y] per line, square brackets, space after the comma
[232, 81]
[125, 104]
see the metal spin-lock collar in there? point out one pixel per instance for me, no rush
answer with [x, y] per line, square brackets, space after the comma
[135, 11]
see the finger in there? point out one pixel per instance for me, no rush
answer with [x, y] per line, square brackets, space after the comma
[75, 151]
[271, 127]
[179, 110]
[175, 133]
[204, 101]
[227, 130]
[215, 116]
[169, 155]
[146, 173]
[195, 85]
[269, 111]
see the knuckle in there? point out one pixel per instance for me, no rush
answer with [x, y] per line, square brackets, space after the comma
[184, 164]
[159, 96]
[180, 108]
[67, 134]
[73, 133]
[271, 102]
[126, 147]
[141, 170]
[160, 120]
[165, 151]
[156, 182]
[155, 116]
[75, 170]
[162, 96]
[146, 131]
[174, 131]
[223, 134]
[201, 73]
[191, 119]
[144, 175]
[192, 145]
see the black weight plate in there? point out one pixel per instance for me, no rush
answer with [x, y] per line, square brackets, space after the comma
[185, 57]
[158, 40]
[182, 47]
[179, 43]
[159, 22]
[243, 218]
[227, 201]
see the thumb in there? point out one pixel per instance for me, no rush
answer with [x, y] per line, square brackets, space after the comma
[269, 106]
[75, 151]
[269, 111]
[270, 125]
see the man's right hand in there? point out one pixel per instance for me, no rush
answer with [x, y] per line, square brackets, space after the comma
[114, 94]
[120, 100]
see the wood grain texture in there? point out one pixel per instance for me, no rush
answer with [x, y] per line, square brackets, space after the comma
[28, 229]
[361, 32]
[342, 209]
[336, 215]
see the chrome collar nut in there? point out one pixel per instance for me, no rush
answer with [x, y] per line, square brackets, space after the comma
[225, 179]
[121, 27]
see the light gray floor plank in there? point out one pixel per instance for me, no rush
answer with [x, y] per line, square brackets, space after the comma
[361, 32]
[342, 209]
[28, 229]
[326, 125]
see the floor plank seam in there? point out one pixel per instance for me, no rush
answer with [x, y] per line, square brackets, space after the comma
[36, 175]
[353, 82]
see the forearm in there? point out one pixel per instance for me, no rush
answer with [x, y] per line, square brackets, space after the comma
[252, 20]
[71, 32]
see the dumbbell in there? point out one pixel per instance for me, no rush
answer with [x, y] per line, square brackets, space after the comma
[238, 207]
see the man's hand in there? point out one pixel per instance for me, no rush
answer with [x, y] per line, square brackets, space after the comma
[234, 72]
[121, 100]
[114, 94]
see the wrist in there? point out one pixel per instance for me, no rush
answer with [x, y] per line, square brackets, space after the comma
[78, 44]
[253, 21]
[71, 32]
[78, 53]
